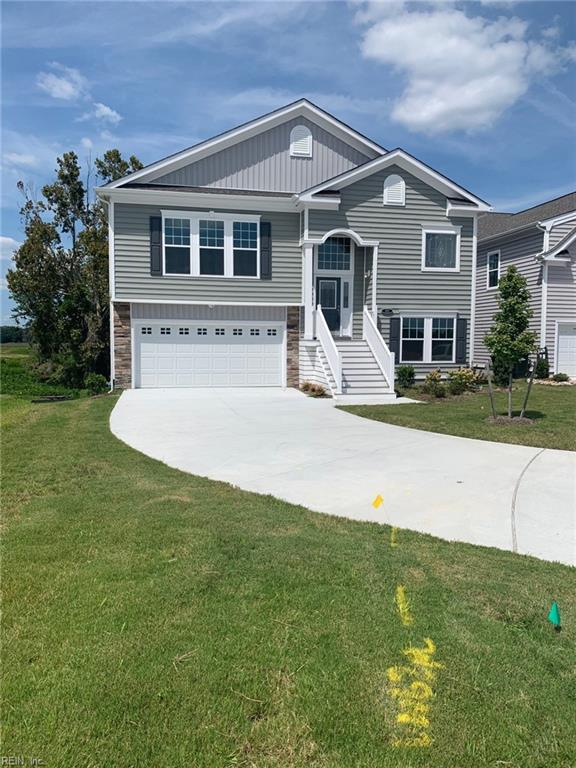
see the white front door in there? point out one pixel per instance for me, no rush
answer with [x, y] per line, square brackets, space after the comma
[197, 354]
[566, 349]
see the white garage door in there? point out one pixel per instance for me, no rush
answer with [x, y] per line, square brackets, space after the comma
[185, 354]
[566, 362]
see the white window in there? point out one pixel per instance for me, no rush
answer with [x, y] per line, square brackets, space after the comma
[428, 340]
[493, 269]
[301, 141]
[211, 245]
[334, 254]
[394, 190]
[177, 246]
[441, 249]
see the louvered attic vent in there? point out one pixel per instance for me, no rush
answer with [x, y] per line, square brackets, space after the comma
[300, 141]
[394, 190]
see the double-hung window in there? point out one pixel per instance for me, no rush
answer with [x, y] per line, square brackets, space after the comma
[211, 236]
[177, 246]
[245, 245]
[427, 339]
[493, 269]
[441, 249]
[219, 245]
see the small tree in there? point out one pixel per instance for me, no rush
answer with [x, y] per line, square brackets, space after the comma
[510, 340]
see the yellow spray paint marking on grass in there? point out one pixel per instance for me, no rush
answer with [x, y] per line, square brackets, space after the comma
[377, 501]
[410, 687]
[394, 537]
[403, 607]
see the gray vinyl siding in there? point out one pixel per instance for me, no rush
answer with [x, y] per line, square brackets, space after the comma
[202, 312]
[401, 284]
[518, 250]
[132, 265]
[561, 303]
[560, 231]
[362, 288]
[263, 162]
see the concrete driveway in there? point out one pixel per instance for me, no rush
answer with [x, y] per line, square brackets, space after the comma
[307, 452]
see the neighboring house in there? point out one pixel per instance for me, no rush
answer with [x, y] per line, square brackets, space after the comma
[541, 243]
[290, 248]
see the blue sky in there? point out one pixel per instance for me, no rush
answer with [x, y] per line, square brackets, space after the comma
[483, 91]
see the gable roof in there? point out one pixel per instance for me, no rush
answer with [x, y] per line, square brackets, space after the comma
[299, 108]
[559, 248]
[493, 224]
[409, 163]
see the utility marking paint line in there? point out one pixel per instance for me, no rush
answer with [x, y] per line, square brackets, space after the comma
[377, 501]
[410, 686]
[403, 606]
[394, 537]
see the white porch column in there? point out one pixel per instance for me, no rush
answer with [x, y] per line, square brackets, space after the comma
[374, 283]
[308, 290]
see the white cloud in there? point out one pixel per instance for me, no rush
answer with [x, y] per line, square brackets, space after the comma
[462, 72]
[86, 142]
[7, 247]
[102, 112]
[63, 83]
[20, 159]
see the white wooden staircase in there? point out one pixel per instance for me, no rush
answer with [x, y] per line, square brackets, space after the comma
[359, 371]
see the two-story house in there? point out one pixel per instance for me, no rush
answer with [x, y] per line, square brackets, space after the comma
[291, 248]
[541, 243]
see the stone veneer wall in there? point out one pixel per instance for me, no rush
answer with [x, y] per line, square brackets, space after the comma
[122, 347]
[293, 346]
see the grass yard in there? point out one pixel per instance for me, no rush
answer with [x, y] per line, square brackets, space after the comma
[155, 618]
[553, 410]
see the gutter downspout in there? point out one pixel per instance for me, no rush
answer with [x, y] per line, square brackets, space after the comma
[544, 289]
[111, 290]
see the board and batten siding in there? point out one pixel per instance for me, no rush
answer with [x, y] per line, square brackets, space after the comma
[561, 303]
[133, 280]
[402, 286]
[560, 231]
[263, 162]
[519, 250]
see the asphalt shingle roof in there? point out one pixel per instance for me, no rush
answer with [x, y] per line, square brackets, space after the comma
[491, 224]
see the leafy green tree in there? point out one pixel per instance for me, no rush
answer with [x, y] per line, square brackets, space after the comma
[510, 339]
[59, 282]
[112, 166]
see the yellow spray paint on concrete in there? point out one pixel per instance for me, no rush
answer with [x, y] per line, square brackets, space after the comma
[410, 687]
[377, 501]
[403, 606]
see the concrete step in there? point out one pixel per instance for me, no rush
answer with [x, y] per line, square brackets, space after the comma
[365, 399]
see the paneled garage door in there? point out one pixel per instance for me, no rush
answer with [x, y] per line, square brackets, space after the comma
[566, 349]
[184, 354]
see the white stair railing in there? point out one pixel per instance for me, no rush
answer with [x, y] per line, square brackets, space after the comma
[330, 349]
[378, 346]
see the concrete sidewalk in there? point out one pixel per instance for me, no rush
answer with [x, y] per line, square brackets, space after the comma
[307, 452]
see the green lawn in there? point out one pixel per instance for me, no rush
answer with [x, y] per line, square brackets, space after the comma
[552, 409]
[154, 618]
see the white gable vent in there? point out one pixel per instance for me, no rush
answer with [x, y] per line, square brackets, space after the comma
[300, 141]
[394, 190]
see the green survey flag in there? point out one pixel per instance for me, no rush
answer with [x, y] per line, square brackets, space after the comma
[554, 614]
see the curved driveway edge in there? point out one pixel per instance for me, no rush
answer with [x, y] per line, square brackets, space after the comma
[307, 452]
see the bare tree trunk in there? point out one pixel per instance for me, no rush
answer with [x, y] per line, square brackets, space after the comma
[510, 380]
[491, 391]
[529, 387]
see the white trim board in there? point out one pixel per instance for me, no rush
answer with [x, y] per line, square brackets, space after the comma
[300, 108]
[194, 200]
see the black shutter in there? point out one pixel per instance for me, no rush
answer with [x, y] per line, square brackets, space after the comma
[155, 245]
[394, 339]
[265, 250]
[461, 326]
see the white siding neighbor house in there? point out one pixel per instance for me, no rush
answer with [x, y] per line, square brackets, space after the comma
[541, 243]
